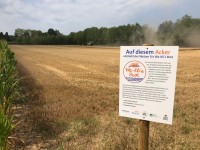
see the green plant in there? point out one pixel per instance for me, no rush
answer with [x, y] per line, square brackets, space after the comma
[8, 77]
[8, 92]
[5, 129]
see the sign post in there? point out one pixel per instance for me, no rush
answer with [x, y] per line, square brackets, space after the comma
[147, 86]
[143, 137]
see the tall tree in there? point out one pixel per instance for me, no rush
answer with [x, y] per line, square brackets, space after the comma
[51, 32]
[6, 36]
[165, 33]
[1, 35]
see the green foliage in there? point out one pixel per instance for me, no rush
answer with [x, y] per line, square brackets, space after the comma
[183, 32]
[8, 77]
[8, 92]
[165, 32]
[4, 36]
[5, 129]
[27, 36]
[121, 35]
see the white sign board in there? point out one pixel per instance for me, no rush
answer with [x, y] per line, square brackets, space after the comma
[147, 82]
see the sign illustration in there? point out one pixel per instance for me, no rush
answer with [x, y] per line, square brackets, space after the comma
[134, 71]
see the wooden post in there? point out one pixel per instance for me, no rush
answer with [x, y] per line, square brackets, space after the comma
[143, 138]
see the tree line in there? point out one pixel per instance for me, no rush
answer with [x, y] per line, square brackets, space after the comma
[183, 32]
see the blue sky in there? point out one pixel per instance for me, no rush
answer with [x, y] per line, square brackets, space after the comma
[75, 15]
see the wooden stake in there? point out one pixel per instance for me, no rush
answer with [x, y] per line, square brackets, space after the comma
[143, 138]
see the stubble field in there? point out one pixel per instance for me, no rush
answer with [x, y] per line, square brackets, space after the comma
[75, 99]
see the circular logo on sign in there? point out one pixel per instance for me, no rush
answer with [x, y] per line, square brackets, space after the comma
[134, 71]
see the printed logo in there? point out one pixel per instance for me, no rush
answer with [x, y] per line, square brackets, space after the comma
[153, 115]
[135, 113]
[126, 111]
[165, 117]
[134, 71]
[144, 114]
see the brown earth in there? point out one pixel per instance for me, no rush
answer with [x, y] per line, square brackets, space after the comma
[73, 101]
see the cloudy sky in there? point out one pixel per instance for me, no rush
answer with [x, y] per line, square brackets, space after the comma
[75, 15]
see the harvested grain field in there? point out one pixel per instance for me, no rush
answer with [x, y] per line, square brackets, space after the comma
[77, 99]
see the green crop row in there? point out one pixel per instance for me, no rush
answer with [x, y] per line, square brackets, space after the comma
[9, 84]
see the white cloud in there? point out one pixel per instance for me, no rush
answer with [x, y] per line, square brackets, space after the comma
[74, 15]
